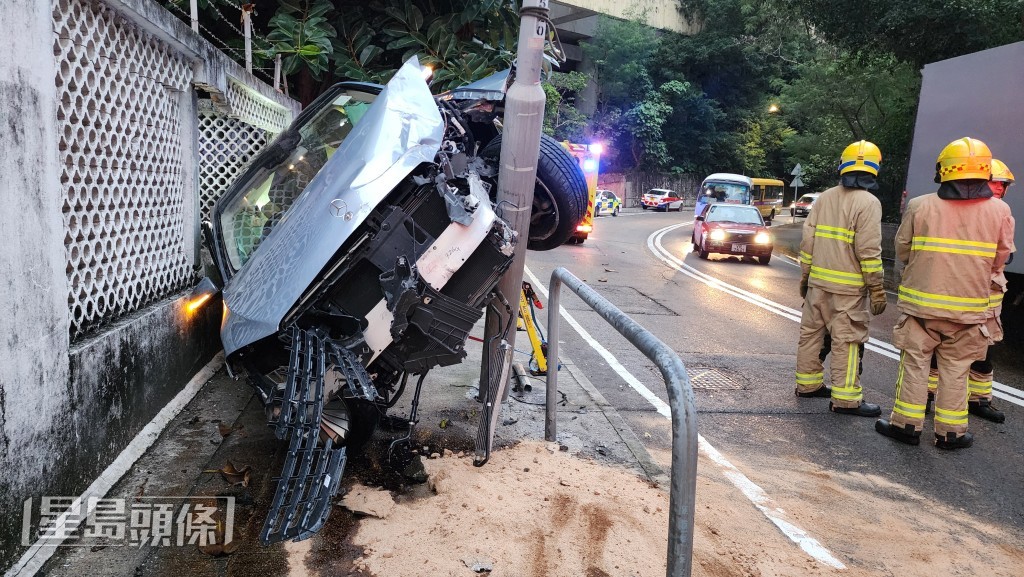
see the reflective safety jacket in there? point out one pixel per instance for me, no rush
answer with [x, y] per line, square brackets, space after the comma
[841, 250]
[954, 251]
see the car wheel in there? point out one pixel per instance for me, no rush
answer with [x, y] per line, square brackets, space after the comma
[615, 212]
[560, 197]
[792, 212]
[764, 259]
[643, 206]
[703, 254]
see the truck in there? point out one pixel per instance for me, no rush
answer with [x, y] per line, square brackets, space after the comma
[977, 95]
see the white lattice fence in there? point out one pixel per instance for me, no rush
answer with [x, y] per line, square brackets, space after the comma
[121, 149]
[226, 146]
[249, 106]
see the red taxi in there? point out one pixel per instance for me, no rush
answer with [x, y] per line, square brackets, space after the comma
[734, 229]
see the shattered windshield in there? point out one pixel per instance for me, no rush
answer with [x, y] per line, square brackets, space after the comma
[285, 168]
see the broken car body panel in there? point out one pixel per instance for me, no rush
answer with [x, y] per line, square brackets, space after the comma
[401, 129]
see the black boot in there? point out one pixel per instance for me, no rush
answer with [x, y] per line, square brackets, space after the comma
[824, 392]
[951, 441]
[905, 435]
[983, 408]
[931, 401]
[862, 410]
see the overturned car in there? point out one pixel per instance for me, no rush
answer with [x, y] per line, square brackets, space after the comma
[359, 249]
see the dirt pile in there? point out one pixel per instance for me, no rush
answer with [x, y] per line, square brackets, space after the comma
[535, 511]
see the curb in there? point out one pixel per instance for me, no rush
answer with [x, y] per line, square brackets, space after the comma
[652, 470]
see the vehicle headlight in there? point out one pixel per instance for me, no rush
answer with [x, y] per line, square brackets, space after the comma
[762, 238]
[718, 234]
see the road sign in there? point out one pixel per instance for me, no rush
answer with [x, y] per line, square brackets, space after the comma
[797, 183]
[798, 171]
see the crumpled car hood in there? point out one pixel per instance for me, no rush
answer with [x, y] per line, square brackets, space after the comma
[401, 130]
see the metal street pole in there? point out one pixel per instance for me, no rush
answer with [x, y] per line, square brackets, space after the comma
[517, 175]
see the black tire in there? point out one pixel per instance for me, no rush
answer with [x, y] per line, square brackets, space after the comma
[643, 206]
[703, 254]
[792, 213]
[615, 212]
[764, 259]
[560, 197]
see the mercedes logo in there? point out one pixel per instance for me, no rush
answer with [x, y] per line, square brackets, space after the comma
[338, 208]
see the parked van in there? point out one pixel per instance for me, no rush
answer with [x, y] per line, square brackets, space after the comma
[723, 187]
[767, 196]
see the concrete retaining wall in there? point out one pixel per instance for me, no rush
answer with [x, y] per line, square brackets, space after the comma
[80, 220]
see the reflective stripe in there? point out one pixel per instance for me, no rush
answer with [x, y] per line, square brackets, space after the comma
[933, 382]
[995, 300]
[805, 257]
[979, 387]
[871, 265]
[946, 302]
[837, 276]
[838, 233]
[810, 378]
[953, 246]
[950, 417]
[909, 410]
[850, 391]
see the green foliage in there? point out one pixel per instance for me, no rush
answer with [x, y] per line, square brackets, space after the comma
[302, 35]
[620, 52]
[463, 40]
[562, 120]
[843, 98]
[914, 31]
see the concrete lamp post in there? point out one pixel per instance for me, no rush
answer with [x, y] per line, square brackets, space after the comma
[517, 175]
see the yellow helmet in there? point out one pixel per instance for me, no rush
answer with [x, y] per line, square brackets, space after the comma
[964, 159]
[1000, 172]
[863, 156]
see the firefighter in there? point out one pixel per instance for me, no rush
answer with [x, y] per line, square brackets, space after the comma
[840, 255]
[979, 380]
[954, 243]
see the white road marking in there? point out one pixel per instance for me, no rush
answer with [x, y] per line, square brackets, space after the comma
[33, 559]
[655, 245]
[751, 490]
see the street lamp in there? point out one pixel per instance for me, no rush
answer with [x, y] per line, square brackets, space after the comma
[773, 108]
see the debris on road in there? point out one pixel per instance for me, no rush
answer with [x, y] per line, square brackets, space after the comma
[369, 501]
[234, 475]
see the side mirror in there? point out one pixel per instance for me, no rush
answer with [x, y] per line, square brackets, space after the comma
[700, 218]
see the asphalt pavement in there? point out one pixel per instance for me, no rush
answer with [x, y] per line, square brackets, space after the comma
[752, 415]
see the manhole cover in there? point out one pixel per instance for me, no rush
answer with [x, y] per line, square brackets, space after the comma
[711, 380]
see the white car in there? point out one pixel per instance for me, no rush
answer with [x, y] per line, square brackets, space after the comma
[662, 199]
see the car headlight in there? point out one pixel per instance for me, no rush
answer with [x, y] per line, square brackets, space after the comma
[718, 234]
[762, 238]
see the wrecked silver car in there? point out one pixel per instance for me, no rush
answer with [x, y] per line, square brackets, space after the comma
[359, 249]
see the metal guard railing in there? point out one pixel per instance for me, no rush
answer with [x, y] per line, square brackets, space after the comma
[683, 484]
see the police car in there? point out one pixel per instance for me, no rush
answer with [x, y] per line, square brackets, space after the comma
[607, 203]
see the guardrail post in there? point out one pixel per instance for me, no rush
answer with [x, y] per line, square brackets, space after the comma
[683, 484]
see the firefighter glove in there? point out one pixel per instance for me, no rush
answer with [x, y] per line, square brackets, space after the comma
[803, 286]
[878, 302]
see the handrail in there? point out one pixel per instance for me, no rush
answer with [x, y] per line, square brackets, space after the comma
[680, 401]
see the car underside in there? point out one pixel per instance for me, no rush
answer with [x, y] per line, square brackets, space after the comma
[357, 251]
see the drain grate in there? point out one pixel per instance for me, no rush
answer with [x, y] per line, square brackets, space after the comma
[708, 379]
